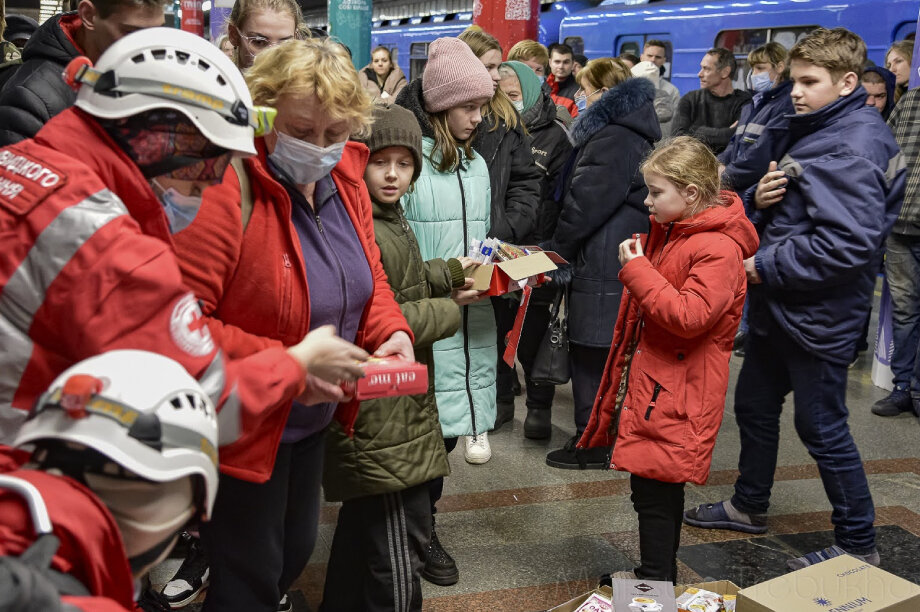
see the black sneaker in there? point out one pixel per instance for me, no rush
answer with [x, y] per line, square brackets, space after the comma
[153, 601]
[897, 402]
[570, 458]
[440, 568]
[192, 577]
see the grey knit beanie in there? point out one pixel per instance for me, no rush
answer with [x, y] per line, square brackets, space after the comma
[395, 126]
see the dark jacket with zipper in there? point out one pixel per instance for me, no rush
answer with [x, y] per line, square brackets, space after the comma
[37, 92]
[397, 441]
[514, 178]
[820, 250]
[762, 136]
[603, 203]
[551, 148]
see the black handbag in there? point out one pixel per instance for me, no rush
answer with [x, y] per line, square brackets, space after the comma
[551, 364]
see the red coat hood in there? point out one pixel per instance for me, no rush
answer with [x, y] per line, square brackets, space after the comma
[730, 220]
[91, 549]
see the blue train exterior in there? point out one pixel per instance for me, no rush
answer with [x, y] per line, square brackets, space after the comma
[408, 39]
[692, 27]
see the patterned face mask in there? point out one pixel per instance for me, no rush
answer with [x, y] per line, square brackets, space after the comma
[163, 142]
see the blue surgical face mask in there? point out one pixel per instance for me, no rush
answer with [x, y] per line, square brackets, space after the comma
[305, 162]
[180, 209]
[518, 105]
[581, 103]
[542, 79]
[761, 82]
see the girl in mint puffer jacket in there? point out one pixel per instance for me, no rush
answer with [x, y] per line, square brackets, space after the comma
[448, 206]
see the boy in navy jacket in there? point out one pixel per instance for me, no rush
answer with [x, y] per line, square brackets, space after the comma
[832, 203]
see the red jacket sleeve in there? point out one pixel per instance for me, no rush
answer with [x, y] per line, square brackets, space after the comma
[692, 309]
[123, 289]
[208, 253]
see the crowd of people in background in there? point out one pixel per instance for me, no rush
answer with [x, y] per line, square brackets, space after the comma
[321, 215]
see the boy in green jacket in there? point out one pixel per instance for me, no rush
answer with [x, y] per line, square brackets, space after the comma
[381, 474]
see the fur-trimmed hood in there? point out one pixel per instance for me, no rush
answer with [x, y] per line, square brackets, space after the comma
[630, 104]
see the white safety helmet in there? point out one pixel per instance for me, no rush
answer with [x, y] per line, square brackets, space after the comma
[141, 410]
[160, 68]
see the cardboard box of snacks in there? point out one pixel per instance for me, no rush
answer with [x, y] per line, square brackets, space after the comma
[841, 584]
[506, 276]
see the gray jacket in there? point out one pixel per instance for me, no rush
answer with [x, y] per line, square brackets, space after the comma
[666, 99]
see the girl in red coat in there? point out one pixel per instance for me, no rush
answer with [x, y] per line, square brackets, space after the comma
[660, 403]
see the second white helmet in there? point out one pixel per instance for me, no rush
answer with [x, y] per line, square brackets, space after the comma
[140, 410]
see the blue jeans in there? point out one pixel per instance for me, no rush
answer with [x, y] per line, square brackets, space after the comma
[774, 365]
[902, 267]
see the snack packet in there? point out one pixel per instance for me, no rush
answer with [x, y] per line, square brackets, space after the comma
[596, 603]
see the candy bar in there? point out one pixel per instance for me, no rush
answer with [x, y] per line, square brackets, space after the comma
[389, 377]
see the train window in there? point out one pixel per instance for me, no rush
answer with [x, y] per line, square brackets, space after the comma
[742, 42]
[577, 44]
[631, 47]
[418, 57]
[394, 55]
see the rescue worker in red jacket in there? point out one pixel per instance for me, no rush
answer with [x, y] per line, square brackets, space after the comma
[87, 264]
[662, 397]
[119, 464]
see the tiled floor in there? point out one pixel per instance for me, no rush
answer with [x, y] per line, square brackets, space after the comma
[527, 536]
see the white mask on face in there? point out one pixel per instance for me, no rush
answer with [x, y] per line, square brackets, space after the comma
[147, 513]
[519, 105]
[305, 162]
[180, 209]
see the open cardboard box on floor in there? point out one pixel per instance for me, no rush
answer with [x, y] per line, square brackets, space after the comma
[573, 604]
[841, 584]
[499, 278]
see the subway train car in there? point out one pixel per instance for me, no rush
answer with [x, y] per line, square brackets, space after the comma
[690, 27]
[408, 38]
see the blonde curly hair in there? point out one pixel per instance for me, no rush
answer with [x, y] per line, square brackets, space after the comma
[321, 67]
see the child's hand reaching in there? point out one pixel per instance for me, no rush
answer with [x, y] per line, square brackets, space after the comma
[629, 250]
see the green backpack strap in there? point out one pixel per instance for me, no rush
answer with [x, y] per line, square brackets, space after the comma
[245, 191]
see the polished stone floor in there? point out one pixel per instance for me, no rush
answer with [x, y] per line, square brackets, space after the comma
[527, 536]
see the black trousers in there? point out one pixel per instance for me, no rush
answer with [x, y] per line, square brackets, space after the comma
[660, 506]
[587, 364]
[539, 397]
[436, 486]
[261, 536]
[378, 552]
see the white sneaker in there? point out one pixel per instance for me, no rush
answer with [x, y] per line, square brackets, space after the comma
[477, 449]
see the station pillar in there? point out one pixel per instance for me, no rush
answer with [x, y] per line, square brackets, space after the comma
[192, 17]
[508, 20]
[350, 23]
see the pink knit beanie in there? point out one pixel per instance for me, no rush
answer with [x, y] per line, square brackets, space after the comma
[453, 76]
